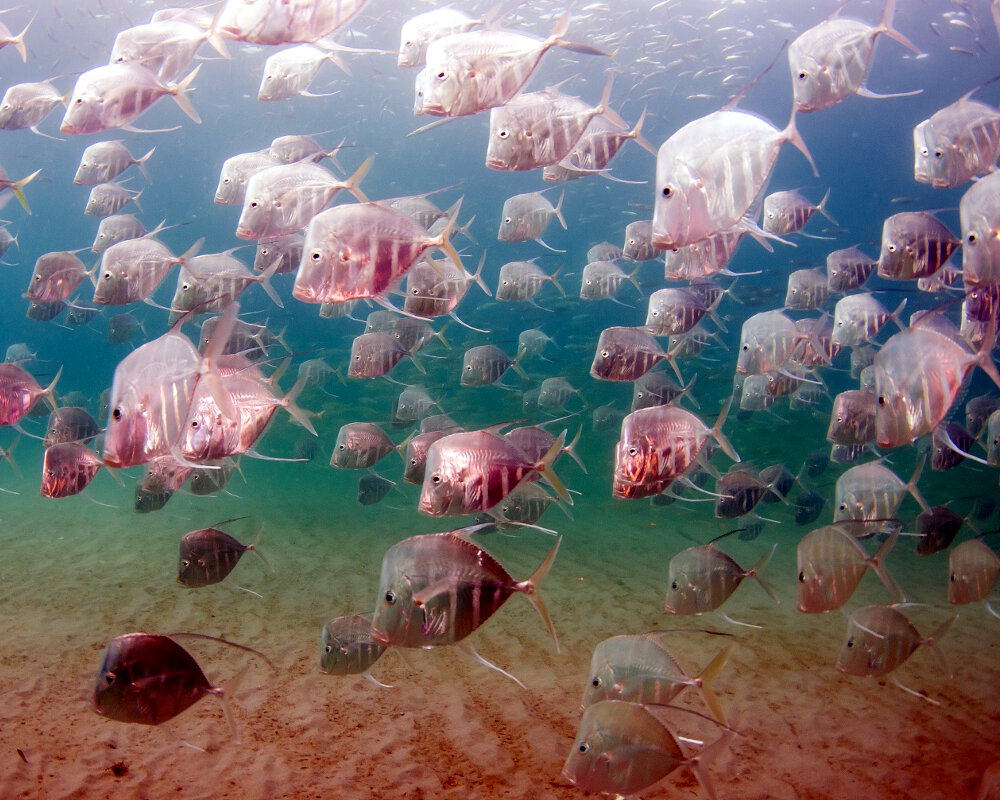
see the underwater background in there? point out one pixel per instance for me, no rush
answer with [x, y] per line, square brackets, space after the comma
[78, 571]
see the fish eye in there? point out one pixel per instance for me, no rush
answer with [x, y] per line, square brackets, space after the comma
[938, 152]
[185, 286]
[342, 447]
[891, 248]
[79, 101]
[390, 597]
[850, 642]
[633, 450]
[953, 577]
[194, 424]
[107, 276]
[972, 238]
[881, 399]
[507, 220]
[441, 75]
[316, 255]
[264, 251]
[468, 368]
[746, 348]
[502, 133]
[924, 152]
[802, 76]
[673, 585]
[109, 678]
[843, 506]
[186, 563]
[51, 473]
[435, 479]
[117, 413]
[668, 191]
[596, 682]
[253, 204]
[584, 748]
[328, 649]
[802, 577]
[605, 354]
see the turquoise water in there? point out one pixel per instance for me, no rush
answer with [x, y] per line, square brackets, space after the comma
[77, 572]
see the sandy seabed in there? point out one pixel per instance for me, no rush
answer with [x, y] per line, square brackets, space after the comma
[75, 574]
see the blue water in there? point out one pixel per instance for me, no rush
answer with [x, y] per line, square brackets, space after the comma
[57, 556]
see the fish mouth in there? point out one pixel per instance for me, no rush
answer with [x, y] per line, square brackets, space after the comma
[495, 163]
[307, 294]
[380, 638]
[433, 109]
[243, 233]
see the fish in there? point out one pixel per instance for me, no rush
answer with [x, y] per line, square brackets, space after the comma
[147, 678]
[472, 71]
[435, 589]
[526, 216]
[638, 244]
[656, 389]
[67, 469]
[416, 454]
[473, 471]
[375, 354]
[702, 578]
[131, 270]
[362, 251]
[739, 492]
[116, 228]
[555, 392]
[788, 211]
[285, 252]
[284, 21]
[361, 445]
[166, 47]
[603, 279]
[486, 364]
[831, 564]
[122, 327]
[25, 105]
[710, 172]
[19, 392]
[102, 162]
[623, 748]
[211, 281]
[918, 374]
[236, 173]
[419, 31]
[347, 646]
[212, 477]
[808, 506]
[868, 496]
[285, 198]
[979, 215]
[673, 311]
[807, 289]
[70, 424]
[858, 318]
[949, 442]
[208, 555]
[640, 669]
[289, 72]
[957, 143]
[973, 569]
[848, 269]
[626, 354]
[915, 244]
[56, 276]
[659, 444]
[372, 488]
[114, 95]
[937, 528]
[880, 638]
[830, 61]
[109, 198]
[522, 280]
[852, 420]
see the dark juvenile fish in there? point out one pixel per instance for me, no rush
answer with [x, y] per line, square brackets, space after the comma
[937, 528]
[372, 488]
[43, 311]
[148, 500]
[67, 468]
[212, 478]
[741, 491]
[122, 327]
[347, 647]
[808, 506]
[780, 479]
[816, 463]
[943, 454]
[70, 424]
[148, 678]
[208, 555]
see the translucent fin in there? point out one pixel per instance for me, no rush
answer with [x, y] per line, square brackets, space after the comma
[530, 589]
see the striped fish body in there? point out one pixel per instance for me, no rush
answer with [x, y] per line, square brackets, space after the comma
[701, 579]
[114, 229]
[636, 669]
[852, 420]
[419, 31]
[879, 639]
[360, 445]
[979, 212]
[347, 647]
[525, 217]
[915, 244]
[848, 269]
[521, 280]
[131, 271]
[207, 556]
[109, 198]
[375, 354]
[164, 475]
[601, 280]
[67, 468]
[973, 569]
[208, 283]
[436, 589]
[147, 678]
[165, 47]
[654, 389]
[19, 391]
[484, 365]
[672, 311]
[831, 564]
[55, 277]
[702, 259]
[356, 251]
[868, 495]
[638, 244]
[283, 199]
[416, 455]
[710, 173]
[24, 105]
[289, 72]
[624, 354]
[857, 318]
[742, 490]
[956, 144]
[787, 212]
[434, 289]
[102, 162]
[284, 21]
[209, 434]
[937, 528]
[285, 250]
[212, 478]
[150, 397]
[599, 143]
[767, 341]
[236, 173]
[70, 424]
[43, 311]
[807, 289]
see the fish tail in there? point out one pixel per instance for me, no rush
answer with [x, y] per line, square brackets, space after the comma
[264, 279]
[530, 589]
[672, 360]
[223, 692]
[560, 30]
[141, 163]
[215, 38]
[135, 198]
[878, 564]
[443, 240]
[179, 93]
[570, 450]
[791, 134]
[912, 485]
[633, 281]
[478, 276]
[933, 639]
[698, 764]
[885, 26]
[544, 468]
[636, 133]
[9, 454]
[604, 109]
[17, 186]
[190, 253]
[558, 210]
[553, 277]
[18, 41]
[288, 401]
[707, 676]
[717, 434]
[353, 184]
[895, 315]
[821, 208]
[759, 568]
[255, 546]
[50, 391]
[417, 363]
